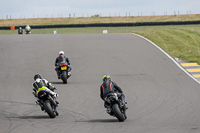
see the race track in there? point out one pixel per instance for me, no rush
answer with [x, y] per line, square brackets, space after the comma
[161, 97]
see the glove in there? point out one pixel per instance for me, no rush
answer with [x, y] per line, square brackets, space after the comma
[55, 94]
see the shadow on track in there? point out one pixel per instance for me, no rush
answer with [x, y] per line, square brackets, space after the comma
[15, 102]
[35, 117]
[99, 121]
[56, 82]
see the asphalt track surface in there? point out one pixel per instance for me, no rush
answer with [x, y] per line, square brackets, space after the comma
[161, 97]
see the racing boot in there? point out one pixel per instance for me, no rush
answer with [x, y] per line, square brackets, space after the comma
[58, 75]
[108, 109]
[69, 74]
[125, 115]
[69, 71]
[42, 107]
[56, 112]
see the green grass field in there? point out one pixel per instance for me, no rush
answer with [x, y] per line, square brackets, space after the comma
[181, 41]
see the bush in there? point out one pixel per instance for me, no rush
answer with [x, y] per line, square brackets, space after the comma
[95, 16]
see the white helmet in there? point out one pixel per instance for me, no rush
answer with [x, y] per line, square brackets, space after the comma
[61, 52]
[38, 80]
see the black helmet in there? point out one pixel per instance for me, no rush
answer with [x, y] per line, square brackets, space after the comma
[37, 76]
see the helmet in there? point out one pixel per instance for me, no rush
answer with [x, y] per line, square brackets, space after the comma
[61, 53]
[37, 76]
[106, 77]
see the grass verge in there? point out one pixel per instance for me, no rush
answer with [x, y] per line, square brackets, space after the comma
[182, 42]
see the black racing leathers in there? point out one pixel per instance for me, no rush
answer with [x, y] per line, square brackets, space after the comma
[60, 59]
[64, 59]
[109, 87]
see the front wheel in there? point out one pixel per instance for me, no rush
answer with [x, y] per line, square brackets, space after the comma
[120, 116]
[48, 109]
[64, 77]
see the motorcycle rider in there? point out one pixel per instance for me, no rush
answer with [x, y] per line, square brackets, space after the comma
[28, 29]
[109, 86]
[20, 30]
[58, 60]
[43, 84]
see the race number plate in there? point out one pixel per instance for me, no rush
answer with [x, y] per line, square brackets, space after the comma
[63, 67]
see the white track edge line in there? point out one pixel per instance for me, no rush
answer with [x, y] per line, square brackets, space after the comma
[168, 56]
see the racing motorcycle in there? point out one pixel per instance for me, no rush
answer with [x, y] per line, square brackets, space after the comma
[63, 71]
[116, 107]
[28, 30]
[20, 30]
[47, 103]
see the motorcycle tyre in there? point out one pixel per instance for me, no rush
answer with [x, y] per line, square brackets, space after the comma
[48, 109]
[64, 77]
[120, 116]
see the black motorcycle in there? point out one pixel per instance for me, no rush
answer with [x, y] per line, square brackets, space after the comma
[116, 107]
[63, 71]
[28, 32]
[20, 31]
[47, 103]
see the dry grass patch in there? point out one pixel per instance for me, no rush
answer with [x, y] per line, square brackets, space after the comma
[90, 20]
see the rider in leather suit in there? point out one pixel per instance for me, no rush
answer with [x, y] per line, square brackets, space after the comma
[59, 59]
[41, 84]
[109, 86]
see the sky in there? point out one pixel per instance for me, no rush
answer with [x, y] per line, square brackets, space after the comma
[87, 8]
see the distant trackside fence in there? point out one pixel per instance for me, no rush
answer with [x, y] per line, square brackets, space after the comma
[105, 25]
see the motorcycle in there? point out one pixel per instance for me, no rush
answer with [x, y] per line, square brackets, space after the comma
[63, 71]
[20, 31]
[116, 107]
[28, 30]
[47, 103]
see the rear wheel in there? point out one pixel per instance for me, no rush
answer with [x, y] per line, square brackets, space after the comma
[64, 77]
[120, 116]
[48, 109]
